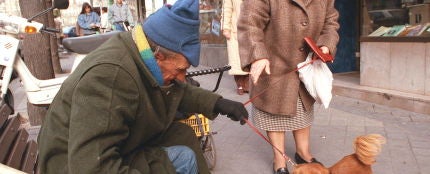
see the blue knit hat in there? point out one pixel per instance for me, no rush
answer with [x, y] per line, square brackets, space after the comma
[177, 29]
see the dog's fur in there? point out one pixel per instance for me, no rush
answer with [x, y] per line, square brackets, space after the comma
[366, 149]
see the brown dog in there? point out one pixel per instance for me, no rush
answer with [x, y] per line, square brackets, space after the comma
[366, 149]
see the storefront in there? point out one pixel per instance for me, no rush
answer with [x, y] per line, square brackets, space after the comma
[395, 45]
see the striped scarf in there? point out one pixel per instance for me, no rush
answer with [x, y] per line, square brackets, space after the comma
[146, 53]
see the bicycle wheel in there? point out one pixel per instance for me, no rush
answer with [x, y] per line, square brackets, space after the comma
[209, 152]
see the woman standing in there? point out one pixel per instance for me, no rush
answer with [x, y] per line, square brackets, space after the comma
[271, 41]
[88, 20]
[231, 11]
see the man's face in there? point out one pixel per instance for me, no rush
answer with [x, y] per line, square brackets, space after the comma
[119, 1]
[173, 66]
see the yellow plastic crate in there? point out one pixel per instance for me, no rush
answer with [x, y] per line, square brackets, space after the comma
[191, 121]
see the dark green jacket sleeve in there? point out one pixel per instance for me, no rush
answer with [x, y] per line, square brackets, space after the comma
[199, 100]
[104, 102]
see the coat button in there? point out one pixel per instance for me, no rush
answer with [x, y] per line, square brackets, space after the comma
[302, 49]
[304, 23]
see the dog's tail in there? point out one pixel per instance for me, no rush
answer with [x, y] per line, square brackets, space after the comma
[367, 147]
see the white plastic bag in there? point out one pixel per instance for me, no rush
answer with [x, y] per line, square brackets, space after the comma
[318, 80]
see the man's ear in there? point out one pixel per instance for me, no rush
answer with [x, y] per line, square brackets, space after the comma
[159, 56]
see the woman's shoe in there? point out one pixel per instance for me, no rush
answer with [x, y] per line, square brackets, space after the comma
[300, 160]
[282, 170]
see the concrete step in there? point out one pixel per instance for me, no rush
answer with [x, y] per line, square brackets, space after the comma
[348, 85]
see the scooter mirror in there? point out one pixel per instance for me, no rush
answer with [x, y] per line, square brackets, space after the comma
[61, 4]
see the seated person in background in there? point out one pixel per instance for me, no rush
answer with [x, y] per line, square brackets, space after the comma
[88, 20]
[115, 113]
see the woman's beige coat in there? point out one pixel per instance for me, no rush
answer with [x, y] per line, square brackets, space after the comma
[275, 29]
[231, 11]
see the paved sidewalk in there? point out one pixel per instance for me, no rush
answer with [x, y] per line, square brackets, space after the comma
[240, 150]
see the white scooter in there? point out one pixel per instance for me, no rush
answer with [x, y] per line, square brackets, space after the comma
[39, 92]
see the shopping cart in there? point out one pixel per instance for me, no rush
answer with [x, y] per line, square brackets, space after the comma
[200, 123]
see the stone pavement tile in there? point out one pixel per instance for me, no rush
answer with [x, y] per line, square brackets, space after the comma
[382, 166]
[322, 142]
[355, 120]
[369, 122]
[404, 119]
[395, 131]
[417, 129]
[422, 152]
[384, 154]
[322, 120]
[354, 131]
[253, 155]
[375, 130]
[420, 143]
[225, 150]
[322, 116]
[338, 118]
[400, 112]
[420, 118]
[257, 146]
[382, 109]
[229, 137]
[249, 163]
[328, 156]
[329, 132]
[402, 136]
[423, 163]
[403, 160]
[398, 143]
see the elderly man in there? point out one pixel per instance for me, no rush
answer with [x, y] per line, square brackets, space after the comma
[115, 113]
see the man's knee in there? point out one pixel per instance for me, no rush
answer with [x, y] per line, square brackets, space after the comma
[183, 158]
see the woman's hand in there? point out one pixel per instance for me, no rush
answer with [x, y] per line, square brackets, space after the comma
[257, 68]
[325, 50]
[227, 34]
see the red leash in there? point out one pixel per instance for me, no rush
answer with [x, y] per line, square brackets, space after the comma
[268, 141]
[257, 131]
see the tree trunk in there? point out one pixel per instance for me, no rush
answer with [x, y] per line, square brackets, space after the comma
[56, 65]
[36, 49]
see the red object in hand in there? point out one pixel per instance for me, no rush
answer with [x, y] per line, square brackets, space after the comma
[318, 53]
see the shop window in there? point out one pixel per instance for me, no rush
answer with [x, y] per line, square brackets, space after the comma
[395, 18]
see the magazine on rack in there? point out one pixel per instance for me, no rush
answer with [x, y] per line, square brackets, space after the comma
[395, 30]
[380, 31]
[418, 30]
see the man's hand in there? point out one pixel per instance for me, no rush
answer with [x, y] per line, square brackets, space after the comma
[257, 68]
[234, 110]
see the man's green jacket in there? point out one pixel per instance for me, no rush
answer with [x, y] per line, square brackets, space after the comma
[111, 116]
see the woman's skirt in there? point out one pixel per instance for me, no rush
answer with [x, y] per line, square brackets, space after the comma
[272, 122]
